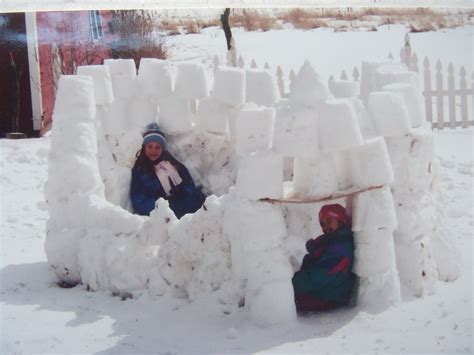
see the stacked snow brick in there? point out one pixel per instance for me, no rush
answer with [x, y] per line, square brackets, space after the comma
[74, 186]
[116, 177]
[395, 107]
[419, 231]
[256, 230]
[331, 155]
[72, 158]
[218, 113]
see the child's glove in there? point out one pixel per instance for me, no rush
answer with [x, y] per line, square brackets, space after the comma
[177, 190]
[311, 246]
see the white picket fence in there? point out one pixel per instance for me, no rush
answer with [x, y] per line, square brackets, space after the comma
[448, 104]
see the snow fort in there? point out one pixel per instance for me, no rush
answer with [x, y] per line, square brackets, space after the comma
[267, 165]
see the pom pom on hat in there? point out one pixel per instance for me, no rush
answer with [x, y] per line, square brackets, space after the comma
[334, 211]
[153, 133]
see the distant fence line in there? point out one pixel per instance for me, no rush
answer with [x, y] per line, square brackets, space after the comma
[446, 106]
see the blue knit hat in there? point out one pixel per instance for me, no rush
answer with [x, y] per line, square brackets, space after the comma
[152, 133]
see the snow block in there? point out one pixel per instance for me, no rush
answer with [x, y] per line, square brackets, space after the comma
[366, 124]
[79, 138]
[342, 164]
[412, 99]
[307, 89]
[344, 88]
[416, 267]
[254, 129]
[270, 265]
[413, 158]
[154, 78]
[212, 116]
[124, 67]
[142, 112]
[338, 126]
[124, 75]
[116, 119]
[261, 87]
[272, 304]
[75, 98]
[256, 226]
[232, 227]
[191, 81]
[229, 86]
[295, 133]
[102, 80]
[374, 209]
[260, 176]
[314, 177]
[62, 248]
[368, 78]
[378, 292]
[398, 73]
[414, 219]
[389, 113]
[174, 115]
[370, 164]
[374, 252]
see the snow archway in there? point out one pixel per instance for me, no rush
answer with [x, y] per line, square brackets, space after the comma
[243, 144]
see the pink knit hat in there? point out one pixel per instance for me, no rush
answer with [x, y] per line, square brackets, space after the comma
[335, 211]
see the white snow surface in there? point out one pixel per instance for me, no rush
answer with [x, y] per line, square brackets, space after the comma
[37, 316]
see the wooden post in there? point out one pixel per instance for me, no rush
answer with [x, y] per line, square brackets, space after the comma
[439, 95]
[415, 63]
[355, 74]
[451, 97]
[281, 83]
[215, 63]
[408, 52]
[402, 56]
[240, 62]
[463, 94]
[427, 92]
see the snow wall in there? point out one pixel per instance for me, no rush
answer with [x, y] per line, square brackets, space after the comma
[242, 142]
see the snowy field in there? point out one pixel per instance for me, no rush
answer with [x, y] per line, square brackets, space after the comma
[39, 317]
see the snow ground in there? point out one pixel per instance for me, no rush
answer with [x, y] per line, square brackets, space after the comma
[39, 317]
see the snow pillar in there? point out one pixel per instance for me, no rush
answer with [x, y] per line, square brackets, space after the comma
[423, 253]
[373, 222]
[72, 173]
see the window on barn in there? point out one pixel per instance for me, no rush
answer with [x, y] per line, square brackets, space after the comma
[96, 25]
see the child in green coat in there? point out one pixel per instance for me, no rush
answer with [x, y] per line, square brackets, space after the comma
[325, 280]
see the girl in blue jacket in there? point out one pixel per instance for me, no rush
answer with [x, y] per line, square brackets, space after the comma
[325, 280]
[157, 174]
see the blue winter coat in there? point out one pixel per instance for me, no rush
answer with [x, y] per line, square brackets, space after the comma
[146, 189]
[326, 270]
